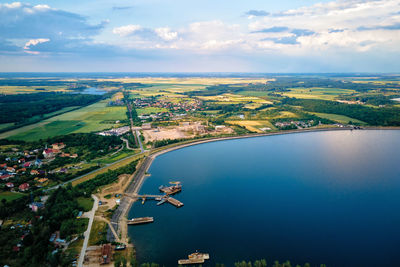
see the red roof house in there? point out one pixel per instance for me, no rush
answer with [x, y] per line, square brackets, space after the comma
[23, 187]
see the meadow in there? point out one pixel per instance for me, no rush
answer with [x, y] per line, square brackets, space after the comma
[10, 90]
[338, 118]
[95, 117]
[318, 93]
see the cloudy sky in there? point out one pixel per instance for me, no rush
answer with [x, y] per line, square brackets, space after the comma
[200, 35]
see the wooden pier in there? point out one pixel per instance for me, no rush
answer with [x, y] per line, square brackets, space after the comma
[140, 220]
[174, 202]
[161, 198]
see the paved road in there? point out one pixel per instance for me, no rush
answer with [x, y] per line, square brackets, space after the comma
[125, 203]
[127, 143]
[89, 214]
[139, 140]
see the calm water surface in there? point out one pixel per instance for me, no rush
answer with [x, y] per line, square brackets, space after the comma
[323, 197]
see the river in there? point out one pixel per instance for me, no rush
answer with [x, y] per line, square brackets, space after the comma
[320, 197]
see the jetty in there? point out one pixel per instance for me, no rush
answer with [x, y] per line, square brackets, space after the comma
[141, 220]
[195, 258]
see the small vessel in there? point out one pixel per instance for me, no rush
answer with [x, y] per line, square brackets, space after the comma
[141, 220]
[195, 258]
[120, 247]
[171, 190]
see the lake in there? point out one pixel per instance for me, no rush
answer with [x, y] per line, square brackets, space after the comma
[322, 197]
[91, 91]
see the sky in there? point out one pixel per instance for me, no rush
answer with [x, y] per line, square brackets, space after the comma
[200, 36]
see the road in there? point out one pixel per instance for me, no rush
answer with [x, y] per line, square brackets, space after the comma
[139, 140]
[127, 143]
[137, 181]
[90, 215]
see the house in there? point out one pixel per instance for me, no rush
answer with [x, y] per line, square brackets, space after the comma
[106, 254]
[42, 180]
[27, 164]
[22, 170]
[58, 146]
[10, 185]
[220, 127]
[5, 177]
[10, 169]
[4, 165]
[35, 206]
[74, 156]
[21, 160]
[23, 187]
[146, 126]
[48, 153]
[34, 172]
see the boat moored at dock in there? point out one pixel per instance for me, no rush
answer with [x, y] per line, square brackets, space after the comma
[195, 258]
[141, 220]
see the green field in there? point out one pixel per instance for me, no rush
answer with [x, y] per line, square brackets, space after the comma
[253, 93]
[93, 118]
[6, 125]
[118, 156]
[338, 118]
[10, 90]
[98, 232]
[150, 110]
[317, 93]
[10, 196]
[86, 203]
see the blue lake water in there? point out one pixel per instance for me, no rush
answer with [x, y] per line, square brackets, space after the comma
[322, 197]
[91, 91]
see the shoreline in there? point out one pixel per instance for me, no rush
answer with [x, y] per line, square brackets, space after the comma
[138, 177]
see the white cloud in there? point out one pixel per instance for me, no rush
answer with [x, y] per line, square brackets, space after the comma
[347, 18]
[12, 5]
[356, 25]
[166, 34]
[34, 42]
[126, 30]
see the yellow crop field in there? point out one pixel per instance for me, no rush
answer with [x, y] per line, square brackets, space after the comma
[254, 126]
[235, 99]
[194, 80]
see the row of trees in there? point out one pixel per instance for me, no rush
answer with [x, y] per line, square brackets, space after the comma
[89, 186]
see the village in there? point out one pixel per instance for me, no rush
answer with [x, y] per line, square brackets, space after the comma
[21, 170]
